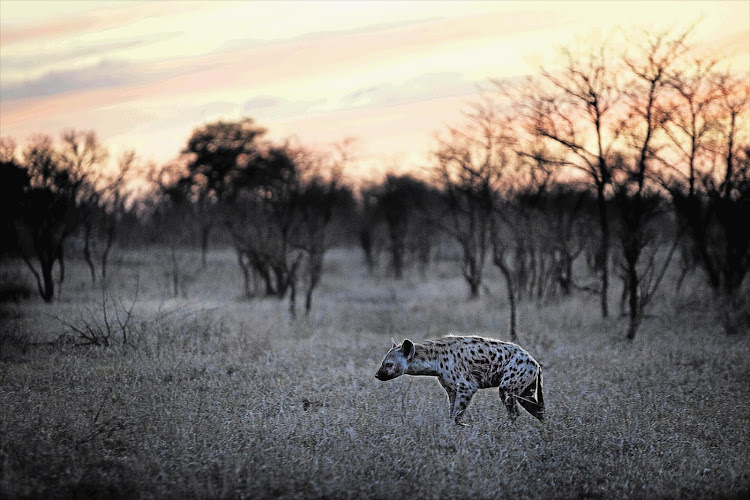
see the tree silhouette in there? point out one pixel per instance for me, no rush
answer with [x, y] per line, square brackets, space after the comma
[469, 167]
[14, 183]
[715, 204]
[282, 205]
[636, 194]
[573, 111]
[731, 194]
[216, 154]
[83, 156]
[48, 212]
[401, 201]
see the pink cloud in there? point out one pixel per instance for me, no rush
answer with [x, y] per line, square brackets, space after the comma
[100, 17]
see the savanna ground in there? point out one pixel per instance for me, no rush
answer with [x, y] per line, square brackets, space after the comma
[217, 396]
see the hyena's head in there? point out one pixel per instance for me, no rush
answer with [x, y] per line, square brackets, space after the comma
[396, 360]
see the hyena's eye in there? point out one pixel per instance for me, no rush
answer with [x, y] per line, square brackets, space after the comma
[389, 365]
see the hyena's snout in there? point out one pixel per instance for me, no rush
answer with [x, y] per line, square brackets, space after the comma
[385, 374]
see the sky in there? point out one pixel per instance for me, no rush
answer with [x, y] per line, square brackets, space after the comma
[390, 74]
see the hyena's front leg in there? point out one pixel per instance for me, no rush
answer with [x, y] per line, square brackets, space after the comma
[451, 393]
[462, 400]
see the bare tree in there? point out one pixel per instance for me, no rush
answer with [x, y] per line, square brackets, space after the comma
[556, 236]
[83, 156]
[114, 204]
[722, 234]
[284, 201]
[574, 110]
[371, 240]
[527, 232]
[48, 213]
[14, 183]
[502, 257]
[100, 196]
[172, 205]
[637, 196]
[265, 217]
[319, 200]
[400, 203]
[693, 122]
[217, 152]
[468, 168]
[692, 118]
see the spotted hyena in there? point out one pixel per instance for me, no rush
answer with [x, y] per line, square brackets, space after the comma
[465, 364]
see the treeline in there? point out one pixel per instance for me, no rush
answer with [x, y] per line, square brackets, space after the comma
[52, 190]
[625, 162]
[656, 133]
[273, 202]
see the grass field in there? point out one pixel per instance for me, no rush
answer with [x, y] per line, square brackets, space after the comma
[214, 396]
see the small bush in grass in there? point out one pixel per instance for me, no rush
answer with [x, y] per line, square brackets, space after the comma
[101, 323]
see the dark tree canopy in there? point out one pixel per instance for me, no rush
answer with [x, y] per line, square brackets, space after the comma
[218, 151]
[14, 183]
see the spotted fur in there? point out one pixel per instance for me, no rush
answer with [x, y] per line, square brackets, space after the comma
[465, 364]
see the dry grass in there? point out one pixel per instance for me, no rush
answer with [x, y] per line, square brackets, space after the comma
[218, 397]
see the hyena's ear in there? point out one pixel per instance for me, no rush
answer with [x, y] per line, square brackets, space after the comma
[407, 348]
[393, 343]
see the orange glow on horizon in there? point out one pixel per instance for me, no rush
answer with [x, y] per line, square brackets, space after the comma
[144, 74]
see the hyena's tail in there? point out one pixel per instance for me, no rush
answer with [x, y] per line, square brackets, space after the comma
[532, 398]
[540, 388]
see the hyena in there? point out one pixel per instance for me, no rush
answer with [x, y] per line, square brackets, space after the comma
[465, 364]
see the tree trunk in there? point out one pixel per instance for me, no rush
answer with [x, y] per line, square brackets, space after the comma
[316, 270]
[265, 273]
[107, 247]
[47, 288]
[498, 257]
[633, 301]
[423, 255]
[397, 254]
[205, 233]
[472, 272]
[44, 282]
[398, 238]
[87, 250]
[633, 325]
[175, 272]
[604, 249]
[511, 301]
[245, 274]
[565, 274]
[365, 241]
[474, 288]
[293, 299]
[60, 261]
[282, 281]
[308, 300]
[60, 264]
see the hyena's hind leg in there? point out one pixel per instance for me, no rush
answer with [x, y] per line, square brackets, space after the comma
[461, 402]
[532, 398]
[509, 401]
